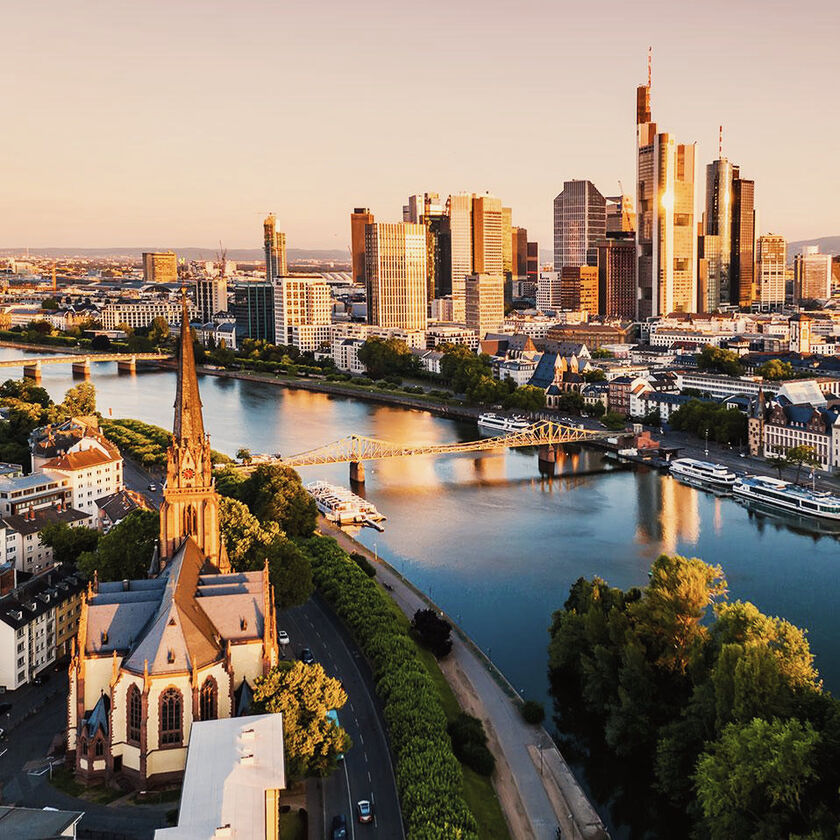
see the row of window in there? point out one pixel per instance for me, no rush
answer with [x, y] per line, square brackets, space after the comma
[171, 712]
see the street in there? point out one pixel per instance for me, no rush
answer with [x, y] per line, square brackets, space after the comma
[366, 772]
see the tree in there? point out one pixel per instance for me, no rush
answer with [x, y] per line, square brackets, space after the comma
[290, 572]
[751, 781]
[597, 409]
[79, 400]
[158, 330]
[68, 543]
[433, 632]
[601, 353]
[100, 342]
[125, 328]
[386, 356]
[49, 303]
[304, 694]
[125, 551]
[614, 421]
[526, 398]
[802, 454]
[594, 375]
[244, 455]
[775, 369]
[274, 493]
[778, 462]
[721, 361]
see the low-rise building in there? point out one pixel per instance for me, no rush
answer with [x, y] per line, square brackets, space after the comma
[140, 313]
[37, 823]
[21, 493]
[621, 389]
[345, 354]
[666, 403]
[112, 509]
[21, 536]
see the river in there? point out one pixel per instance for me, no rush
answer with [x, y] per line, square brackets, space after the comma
[492, 542]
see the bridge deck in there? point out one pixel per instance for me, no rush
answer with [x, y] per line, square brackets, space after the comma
[79, 358]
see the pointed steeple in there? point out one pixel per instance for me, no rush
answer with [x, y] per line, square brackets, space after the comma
[189, 424]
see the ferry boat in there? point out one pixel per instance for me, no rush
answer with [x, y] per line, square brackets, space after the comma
[703, 472]
[340, 505]
[498, 423]
[787, 496]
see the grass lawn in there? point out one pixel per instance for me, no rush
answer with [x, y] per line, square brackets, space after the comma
[291, 826]
[63, 780]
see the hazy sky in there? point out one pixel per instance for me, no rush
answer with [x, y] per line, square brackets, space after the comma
[178, 122]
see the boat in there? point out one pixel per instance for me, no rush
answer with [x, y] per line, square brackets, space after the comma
[703, 472]
[340, 505]
[499, 423]
[788, 496]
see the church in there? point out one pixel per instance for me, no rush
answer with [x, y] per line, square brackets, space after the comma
[153, 656]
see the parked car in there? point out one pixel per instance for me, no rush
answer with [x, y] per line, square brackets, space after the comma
[306, 657]
[339, 827]
[282, 637]
[41, 678]
[153, 487]
[364, 810]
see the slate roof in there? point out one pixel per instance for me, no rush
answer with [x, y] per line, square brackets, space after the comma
[118, 505]
[31, 524]
[99, 718]
[37, 595]
[545, 372]
[35, 823]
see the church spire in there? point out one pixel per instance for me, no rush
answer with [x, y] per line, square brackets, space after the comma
[189, 424]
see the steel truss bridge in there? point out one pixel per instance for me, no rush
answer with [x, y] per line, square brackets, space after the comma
[356, 449]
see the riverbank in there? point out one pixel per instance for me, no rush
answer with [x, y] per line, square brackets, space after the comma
[535, 787]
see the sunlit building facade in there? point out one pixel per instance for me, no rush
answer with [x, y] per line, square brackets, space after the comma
[580, 223]
[771, 264]
[485, 303]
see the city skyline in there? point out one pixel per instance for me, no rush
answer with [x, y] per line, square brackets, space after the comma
[150, 125]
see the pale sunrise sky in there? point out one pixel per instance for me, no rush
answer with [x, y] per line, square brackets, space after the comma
[179, 123]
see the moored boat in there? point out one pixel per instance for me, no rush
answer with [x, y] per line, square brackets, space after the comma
[703, 472]
[788, 496]
[499, 423]
[340, 505]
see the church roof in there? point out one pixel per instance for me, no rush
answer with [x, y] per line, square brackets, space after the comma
[189, 424]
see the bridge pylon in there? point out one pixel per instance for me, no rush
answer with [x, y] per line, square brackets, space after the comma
[127, 365]
[82, 368]
[357, 472]
[33, 372]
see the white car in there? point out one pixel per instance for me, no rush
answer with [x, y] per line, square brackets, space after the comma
[282, 637]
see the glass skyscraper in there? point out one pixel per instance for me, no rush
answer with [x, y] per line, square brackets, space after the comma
[580, 223]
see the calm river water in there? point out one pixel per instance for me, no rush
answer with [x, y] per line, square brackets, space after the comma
[496, 545]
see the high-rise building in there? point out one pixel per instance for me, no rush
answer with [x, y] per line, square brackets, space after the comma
[666, 243]
[507, 241]
[253, 309]
[302, 300]
[620, 215]
[579, 288]
[533, 263]
[459, 211]
[519, 252]
[274, 244]
[359, 219]
[812, 275]
[617, 278]
[485, 302]
[771, 264]
[160, 267]
[487, 235]
[709, 271]
[742, 285]
[718, 223]
[548, 291]
[395, 268]
[210, 297]
[580, 223]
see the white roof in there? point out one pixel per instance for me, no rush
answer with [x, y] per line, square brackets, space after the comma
[802, 391]
[231, 763]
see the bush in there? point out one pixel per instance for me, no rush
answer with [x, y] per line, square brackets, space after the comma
[363, 563]
[469, 743]
[433, 632]
[533, 712]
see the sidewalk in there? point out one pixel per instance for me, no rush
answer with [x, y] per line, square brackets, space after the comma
[534, 804]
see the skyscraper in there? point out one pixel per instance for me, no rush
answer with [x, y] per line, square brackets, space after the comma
[507, 241]
[718, 223]
[160, 267]
[533, 263]
[742, 255]
[359, 218]
[771, 264]
[485, 302]
[620, 215]
[487, 235]
[579, 288]
[617, 278]
[210, 297]
[812, 275]
[395, 268]
[580, 223]
[274, 244]
[519, 253]
[253, 308]
[459, 210]
[302, 300]
[665, 233]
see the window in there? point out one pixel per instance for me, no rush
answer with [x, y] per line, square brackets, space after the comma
[171, 707]
[99, 748]
[208, 700]
[134, 706]
[83, 745]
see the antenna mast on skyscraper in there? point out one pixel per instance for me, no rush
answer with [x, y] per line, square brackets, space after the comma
[720, 144]
[650, 62]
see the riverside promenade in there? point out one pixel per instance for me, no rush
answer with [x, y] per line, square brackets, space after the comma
[536, 789]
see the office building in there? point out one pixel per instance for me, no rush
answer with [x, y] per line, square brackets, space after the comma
[274, 243]
[580, 223]
[742, 258]
[160, 267]
[718, 223]
[459, 211]
[548, 291]
[617, 278]
[253, 309]
[519, 252]
[709, 272]
[620, 215]
[485, 303]
[359, 219]
[302, 301]
[533, 263]
[210, 297]
[395, 268]
[507, 241]
[665, 231]
[487, 235]
[579, 288]
[771, 264]
[812, 275]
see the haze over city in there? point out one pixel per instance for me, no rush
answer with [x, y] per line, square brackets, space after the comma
[179, 124]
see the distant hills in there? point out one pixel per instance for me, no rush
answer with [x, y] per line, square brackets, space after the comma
[235, 254]
[828, 245]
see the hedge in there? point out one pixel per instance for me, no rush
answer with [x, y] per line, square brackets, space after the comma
[429, 777]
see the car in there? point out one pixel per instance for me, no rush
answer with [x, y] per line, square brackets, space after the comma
[282, 637]
[364, 810]
[153, 487]
[5, 708]
[306, 657]
[41, 678]
[2, 734]
[339, 827]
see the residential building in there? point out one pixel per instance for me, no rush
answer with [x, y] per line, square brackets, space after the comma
[111, 510]
[621, 389]
[665, 402]
[160, 267]
[141, 313]
[450, 334]
[787, 425]
[345, 354]
[37, 823]
[771, 266]
[485, 303]
[242, 761]
[580, 223]
[359, 219]
[617, 278]
[35, 612]
[36, 491]
[549, 291]
[21, 535]
[812, 275]
[395, 268]
[665, 233]
[302, 300]
[253, 308]
[211, 297]
[459, 209]
[274, 244]
[579, 288]
[154, 656]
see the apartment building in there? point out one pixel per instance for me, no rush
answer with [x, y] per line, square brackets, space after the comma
[302, 311]
[139, 314]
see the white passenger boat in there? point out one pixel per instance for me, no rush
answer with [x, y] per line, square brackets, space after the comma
[498, 423]
[787, 496]
[340, 505]
[703, 472]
